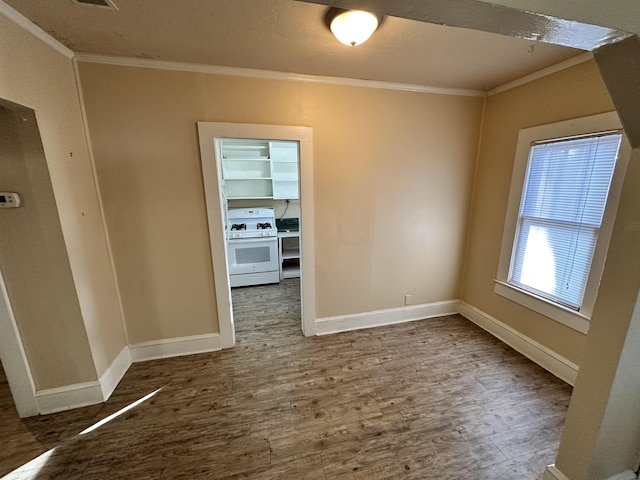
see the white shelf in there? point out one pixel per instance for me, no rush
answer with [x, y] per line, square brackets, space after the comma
[259, 169]
[283, 151]
[289, 253]
[280, 177]
[243, 146]
[249, 188]
[284, 160]
[244, 197]
[285, 189]
[291, 272]
[244, 149]
[242, 178]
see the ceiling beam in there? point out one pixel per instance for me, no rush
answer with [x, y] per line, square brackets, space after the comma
[488, 17]
[617, 52]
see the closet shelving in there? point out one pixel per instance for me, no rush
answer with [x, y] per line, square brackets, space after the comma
[259, 169]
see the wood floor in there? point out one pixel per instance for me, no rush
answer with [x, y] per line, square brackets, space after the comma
[435, 399]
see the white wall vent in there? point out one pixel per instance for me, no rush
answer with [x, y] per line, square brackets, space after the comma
[97, 3]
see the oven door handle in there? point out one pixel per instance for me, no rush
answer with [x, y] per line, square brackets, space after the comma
[237, 241]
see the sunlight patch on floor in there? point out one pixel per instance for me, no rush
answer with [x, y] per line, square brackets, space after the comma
[118, 413]
[31, 470]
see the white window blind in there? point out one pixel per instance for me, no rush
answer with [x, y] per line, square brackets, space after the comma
[561, 209]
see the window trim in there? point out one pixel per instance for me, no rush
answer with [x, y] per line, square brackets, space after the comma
[577, 320]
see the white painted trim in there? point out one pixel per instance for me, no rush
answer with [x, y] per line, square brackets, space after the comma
[584, 125]
[28, 25]
[55, 400]
[558, 67]
[626, 475]
[567, 317]
[32, 28]
[271, 75]
[378, 318]
[210, 164]
[14, 359]
[175, 347]
[59, 399]
[92, 393]
[307, 236]
[552, 473]
[22, 21]
[207, 132]
[110, 379]
[551, 361]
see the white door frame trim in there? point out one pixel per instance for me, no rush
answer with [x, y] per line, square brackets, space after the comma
[14, 359]
[207, 132]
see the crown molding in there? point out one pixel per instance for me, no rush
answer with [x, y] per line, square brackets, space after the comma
[39, 33]
[270, 75]
[22, 21]
[570, 62]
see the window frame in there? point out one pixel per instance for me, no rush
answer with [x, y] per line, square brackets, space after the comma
[575, 319]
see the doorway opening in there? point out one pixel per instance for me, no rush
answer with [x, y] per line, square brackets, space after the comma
[258, 182]
[260, 202]
[25, 194]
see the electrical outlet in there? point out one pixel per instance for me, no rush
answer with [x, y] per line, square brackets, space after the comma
[407, 299]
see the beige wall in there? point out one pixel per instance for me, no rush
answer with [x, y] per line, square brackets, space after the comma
[34, 260]
[392, 180]
[40, 78]
[143, 131]
[571, 93]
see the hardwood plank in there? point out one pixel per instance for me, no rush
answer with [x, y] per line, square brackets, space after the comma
[436, 399]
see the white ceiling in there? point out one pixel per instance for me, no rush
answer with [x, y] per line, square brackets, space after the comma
[290, 36]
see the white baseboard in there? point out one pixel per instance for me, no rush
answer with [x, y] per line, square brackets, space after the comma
[175, 347]
[59, 399]
[378, 318]
[552, 473]
[55, 400]
[91, 393]
[626, 475]
[534, 351]
[111, 377]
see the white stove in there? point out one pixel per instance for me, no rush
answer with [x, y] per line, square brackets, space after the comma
[252, 246]
[251, 223]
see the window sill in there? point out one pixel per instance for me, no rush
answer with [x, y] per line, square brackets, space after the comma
[570, 318]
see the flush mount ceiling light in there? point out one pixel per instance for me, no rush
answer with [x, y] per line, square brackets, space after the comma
[97, 3]
[352, 27]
